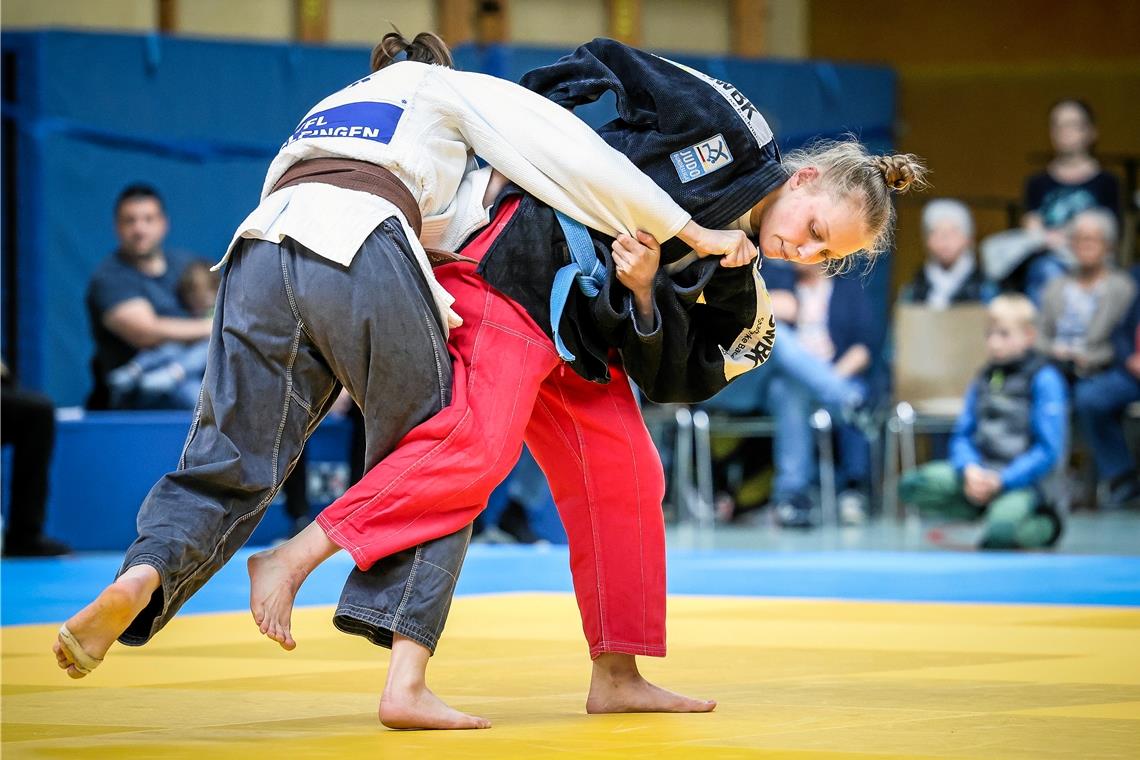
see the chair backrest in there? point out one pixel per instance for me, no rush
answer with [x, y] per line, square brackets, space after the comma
[937, 353]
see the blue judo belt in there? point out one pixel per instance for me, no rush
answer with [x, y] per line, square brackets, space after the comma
[585, 269]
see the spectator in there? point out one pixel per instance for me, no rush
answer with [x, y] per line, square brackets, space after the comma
[950, 274]
[522, 509]
[29, 427]
[1100, 402]
[821, 357]
[171, 374]
[1081, 310]
[133, 304]
[796, 365]
[1006, 443]
[832, 324]
[1074, 180]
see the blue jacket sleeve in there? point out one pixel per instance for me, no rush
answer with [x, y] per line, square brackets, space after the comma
[1049, 423]
[962, 450]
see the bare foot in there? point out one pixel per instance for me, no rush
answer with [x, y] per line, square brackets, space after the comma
[275, 575]
[617, 687]
[273, 586]
[99, 624]
[420, 708]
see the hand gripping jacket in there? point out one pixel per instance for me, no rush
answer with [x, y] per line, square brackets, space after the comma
[703, 142]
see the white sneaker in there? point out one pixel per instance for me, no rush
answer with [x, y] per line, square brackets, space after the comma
[852, 507]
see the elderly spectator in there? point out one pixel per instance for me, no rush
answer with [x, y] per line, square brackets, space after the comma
[1006, 443]
[134, 306]
[1080, 310]
[1100, 402]
[950, 274]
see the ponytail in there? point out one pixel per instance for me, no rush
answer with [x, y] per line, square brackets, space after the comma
[426, 47]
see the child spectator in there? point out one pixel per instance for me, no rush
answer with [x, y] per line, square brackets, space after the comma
[171, 374]
[950, 274]
[1006, 443]
[1080, 310]
[1100, 402]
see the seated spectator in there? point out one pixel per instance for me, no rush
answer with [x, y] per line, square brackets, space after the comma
[521, 510]
[134, 306]
[1100, 401]
[1073, 181]
[173, 371]
[1028, 259]
[1080, 310]
[1007, 442]
[29, 427]
[951, 274]
[820, 359]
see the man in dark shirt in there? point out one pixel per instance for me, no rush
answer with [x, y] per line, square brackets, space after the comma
[132, 300]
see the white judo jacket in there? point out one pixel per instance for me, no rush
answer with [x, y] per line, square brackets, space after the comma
[425, 124]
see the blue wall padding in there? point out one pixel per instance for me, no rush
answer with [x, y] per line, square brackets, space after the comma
[201, 120]
[105, 463]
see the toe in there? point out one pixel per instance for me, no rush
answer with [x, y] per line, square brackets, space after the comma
[73, 672]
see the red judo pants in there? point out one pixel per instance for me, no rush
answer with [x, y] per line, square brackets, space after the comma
[589, 439]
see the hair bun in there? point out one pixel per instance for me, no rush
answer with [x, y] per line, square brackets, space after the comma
[902, 171]
[425, 47]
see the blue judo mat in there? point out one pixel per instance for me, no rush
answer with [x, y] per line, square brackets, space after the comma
[39, 591]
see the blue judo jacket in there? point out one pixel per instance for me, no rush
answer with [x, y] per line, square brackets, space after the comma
[705, 143]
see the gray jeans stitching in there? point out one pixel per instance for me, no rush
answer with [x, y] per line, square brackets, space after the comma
[443, 389]
[408, 585]
[272, 491]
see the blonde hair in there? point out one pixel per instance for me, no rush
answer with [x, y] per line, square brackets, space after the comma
[1015, 308]
[848, 170]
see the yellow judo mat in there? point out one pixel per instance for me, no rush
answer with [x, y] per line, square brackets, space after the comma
[794, 678]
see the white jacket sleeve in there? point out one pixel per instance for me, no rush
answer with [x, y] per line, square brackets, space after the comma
[551, 153]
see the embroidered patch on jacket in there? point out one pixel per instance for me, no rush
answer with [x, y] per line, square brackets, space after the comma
[703, 158]
[366, 120]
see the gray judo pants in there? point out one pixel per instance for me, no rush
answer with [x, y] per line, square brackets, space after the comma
[290, 329]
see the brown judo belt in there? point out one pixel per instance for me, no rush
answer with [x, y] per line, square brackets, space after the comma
[368, 178]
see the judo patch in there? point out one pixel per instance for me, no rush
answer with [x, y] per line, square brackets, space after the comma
[703, 158]
[366, 120]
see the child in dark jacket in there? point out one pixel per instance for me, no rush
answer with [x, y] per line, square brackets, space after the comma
[1007, 441]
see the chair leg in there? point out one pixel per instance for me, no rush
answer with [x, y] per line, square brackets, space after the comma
[821, 423]
[702, 443]
[683, 463]
[907, 446]
[875, 441]
[891, 469]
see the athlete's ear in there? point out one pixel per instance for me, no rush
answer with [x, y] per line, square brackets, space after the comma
[804, 176]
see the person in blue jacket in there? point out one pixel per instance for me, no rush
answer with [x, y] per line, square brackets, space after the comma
[1007, 442]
